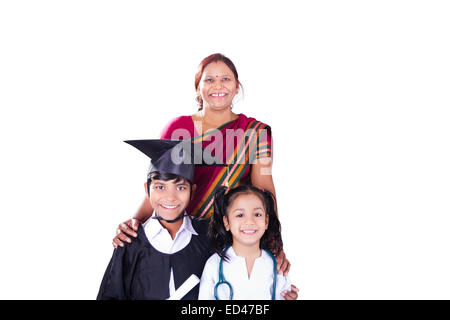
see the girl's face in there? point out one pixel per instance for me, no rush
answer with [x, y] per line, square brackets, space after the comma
[246, 220]
[218, 86]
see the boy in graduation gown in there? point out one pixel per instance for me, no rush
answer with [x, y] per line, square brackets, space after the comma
[168, 255]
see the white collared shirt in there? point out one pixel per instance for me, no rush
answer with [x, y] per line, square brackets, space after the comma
[256, 287]
[159, 237]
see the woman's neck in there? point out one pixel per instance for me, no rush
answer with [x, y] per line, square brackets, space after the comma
[216, 118]
[207, 119]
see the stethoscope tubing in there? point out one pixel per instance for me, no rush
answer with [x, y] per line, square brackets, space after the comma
[222, 280]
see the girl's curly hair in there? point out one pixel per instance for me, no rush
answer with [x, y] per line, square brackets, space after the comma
[221, 239]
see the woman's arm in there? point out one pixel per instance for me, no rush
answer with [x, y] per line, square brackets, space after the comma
[144, 212]
[130, 226]
[261, 176]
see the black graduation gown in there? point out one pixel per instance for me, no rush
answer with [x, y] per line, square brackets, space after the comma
[139, 271]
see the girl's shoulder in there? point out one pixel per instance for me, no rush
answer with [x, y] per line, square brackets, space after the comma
[213, 261]
[200, 225]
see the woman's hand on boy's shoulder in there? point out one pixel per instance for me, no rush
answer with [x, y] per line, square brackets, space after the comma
[129, 228]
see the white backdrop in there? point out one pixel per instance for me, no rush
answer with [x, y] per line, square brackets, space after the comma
[356, 93]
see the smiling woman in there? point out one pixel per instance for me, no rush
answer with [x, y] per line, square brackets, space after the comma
[217, 81]
[243, 143]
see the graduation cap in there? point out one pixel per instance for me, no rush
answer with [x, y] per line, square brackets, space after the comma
[175, 156]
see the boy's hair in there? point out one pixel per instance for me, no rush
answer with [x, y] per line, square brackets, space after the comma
[164, 176]
[221, 239]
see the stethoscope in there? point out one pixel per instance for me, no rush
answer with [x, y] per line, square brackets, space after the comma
[222, 280]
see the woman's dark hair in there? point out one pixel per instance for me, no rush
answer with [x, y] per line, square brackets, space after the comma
[156, 175]
[201, 67]
[221, 239]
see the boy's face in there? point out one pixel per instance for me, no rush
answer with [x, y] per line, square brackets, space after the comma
[169, 198]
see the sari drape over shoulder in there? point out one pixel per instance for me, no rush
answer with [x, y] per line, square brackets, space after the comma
[238, 144]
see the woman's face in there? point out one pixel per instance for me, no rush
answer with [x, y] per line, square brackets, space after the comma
[218, 86]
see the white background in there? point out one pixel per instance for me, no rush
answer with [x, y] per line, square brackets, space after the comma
[356, 93]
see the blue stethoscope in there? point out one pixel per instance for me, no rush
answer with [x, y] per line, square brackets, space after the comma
[222, 280]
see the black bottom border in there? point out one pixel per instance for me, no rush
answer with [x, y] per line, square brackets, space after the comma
[231, 310]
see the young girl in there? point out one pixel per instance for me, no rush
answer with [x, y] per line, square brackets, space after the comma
[245, 233]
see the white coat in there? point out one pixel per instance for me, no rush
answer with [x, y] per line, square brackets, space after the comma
[256, 287]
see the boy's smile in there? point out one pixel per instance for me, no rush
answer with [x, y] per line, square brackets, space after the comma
[169, 207]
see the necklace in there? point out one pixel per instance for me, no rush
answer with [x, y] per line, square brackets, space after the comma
[205, 123]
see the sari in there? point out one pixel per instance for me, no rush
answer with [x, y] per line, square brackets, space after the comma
[236, 144]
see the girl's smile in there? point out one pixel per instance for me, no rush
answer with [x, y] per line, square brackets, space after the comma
[249, 232]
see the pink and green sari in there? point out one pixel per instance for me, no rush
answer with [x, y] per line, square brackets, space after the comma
[237, 143]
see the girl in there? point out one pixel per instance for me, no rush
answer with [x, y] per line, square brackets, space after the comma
[244, 233]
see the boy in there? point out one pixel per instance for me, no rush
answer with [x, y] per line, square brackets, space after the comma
[170, 247]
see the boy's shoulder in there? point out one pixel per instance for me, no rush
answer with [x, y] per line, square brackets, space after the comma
[137, 243]
[200, 225]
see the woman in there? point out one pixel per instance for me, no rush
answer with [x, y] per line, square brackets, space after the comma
[243, 143]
